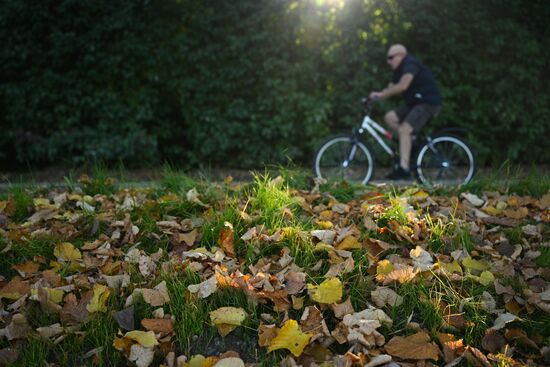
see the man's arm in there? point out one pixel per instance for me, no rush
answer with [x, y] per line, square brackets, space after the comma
[394, 89]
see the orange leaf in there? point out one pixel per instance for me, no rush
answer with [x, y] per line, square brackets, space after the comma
[226, 239]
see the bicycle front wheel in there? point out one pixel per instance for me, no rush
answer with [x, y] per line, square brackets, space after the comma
[344, 158]
[446, 160]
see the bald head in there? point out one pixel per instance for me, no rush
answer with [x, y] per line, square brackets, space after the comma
[396, 54]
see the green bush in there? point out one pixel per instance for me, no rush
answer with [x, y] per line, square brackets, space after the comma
[259, 81]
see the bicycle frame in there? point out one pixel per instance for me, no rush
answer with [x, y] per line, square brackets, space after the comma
[373, 128]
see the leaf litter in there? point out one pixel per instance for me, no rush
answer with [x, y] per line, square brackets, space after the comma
[378, 280]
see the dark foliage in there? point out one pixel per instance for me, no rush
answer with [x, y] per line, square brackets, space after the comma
[241, 83]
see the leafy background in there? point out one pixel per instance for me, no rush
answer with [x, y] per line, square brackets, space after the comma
[244, 83]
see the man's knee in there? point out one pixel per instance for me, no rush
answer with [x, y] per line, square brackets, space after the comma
[392, 120]
[405, 129]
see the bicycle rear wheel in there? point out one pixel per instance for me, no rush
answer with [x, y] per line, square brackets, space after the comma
[446, 160]
[344, 158]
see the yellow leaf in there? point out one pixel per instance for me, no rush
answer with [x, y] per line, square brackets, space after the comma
[330, 291]
[226, 319]
[67, 252]
[290, 337]
[144, 338]
[450, 268]
[486, 278]
[54, 295]
[472, 264]
[349, 242]
[384, 267]
[98, 303]
[324, 224]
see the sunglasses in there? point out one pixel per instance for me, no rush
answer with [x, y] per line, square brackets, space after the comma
[390, 57]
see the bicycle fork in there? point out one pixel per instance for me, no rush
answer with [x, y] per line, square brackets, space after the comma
[351, 154]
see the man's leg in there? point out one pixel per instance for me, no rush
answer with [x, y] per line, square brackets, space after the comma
[405, 143]
[392, 120]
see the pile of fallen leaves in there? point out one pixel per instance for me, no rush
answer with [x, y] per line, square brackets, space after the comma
[381, 280]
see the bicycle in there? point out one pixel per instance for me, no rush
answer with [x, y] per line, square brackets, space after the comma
[441, 159]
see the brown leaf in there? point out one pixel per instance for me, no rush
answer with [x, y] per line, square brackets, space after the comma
[125, 318]
[295, 282]
[342, 309]
[74, 312]
[311, 320]
[417, 346]
[26, 269]
[476, 357]
[158, 325]
[450, 316]
[266, 333]
[18, 328]
[493, 341]
[518, 213]
[452, 348]
[226, 240]
[15, 289]
[376, 247]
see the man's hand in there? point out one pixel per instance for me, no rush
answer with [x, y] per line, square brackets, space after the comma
[373, 96]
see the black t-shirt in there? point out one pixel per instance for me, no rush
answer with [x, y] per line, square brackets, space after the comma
[423, 88]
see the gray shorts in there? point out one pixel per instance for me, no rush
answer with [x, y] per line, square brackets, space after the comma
[418, 115]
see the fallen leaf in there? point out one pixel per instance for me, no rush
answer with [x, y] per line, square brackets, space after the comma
[226, 239]
[230, 362]
[342, 309]
[416, 346]
[204, 289]
[144, 338]
[383, 296]
[66, 252]
[290, 337]
[493, 341]
[421, 258]
[125, 318]
[329, 291]
[226, 319]
[158, 325]
[266, 333]
[15, 289]
[348, 243]
[142, 356]
[503, 319]
[98, 303]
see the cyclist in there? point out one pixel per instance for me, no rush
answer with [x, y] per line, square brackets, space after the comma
[416, 83]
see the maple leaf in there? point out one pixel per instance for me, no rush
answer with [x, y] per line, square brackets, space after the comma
[290, 337]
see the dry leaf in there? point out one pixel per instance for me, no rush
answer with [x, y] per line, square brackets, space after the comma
[342, 309]
[204, 289]
[144, 338]
[98, 303]
[142, 356]
[66, 252]
[417, 346]
[226, 319]
[158, 325]
[226, 239]
[383, 296]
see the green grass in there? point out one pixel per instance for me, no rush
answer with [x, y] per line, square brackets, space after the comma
[34, 353]
[543, 259]
[512, 179]
[23, 203]
[25, 250]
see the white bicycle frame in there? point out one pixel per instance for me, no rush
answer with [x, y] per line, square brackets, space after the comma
[372, 127]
